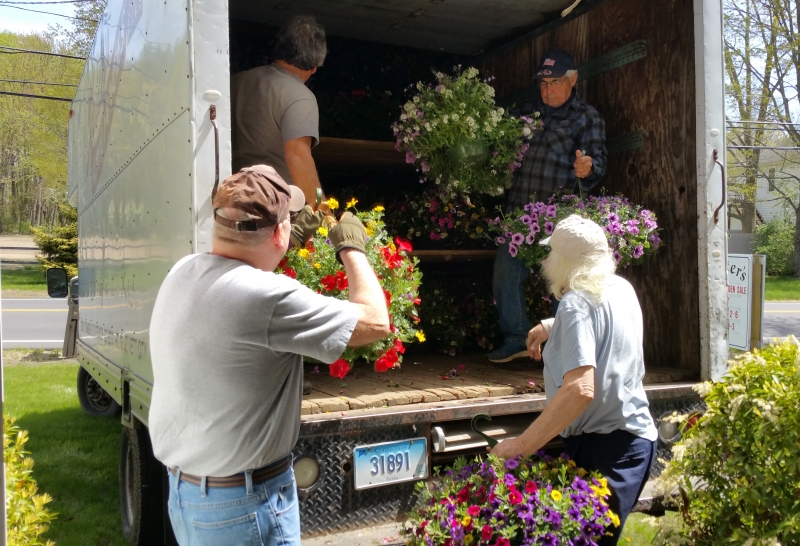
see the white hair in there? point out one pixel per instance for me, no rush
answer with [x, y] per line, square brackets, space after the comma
[571, 73]
[230, 236]
[588, 274]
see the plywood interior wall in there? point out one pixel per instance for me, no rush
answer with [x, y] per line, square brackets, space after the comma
[655, 95]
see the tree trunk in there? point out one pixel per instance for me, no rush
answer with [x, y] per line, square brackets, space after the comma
[748, 217]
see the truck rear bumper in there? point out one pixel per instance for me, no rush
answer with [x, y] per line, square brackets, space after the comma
[334, 506]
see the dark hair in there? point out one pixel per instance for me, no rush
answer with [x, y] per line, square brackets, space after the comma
[301, 43]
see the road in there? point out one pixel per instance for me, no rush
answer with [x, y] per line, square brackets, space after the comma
[781, 319]
[39, 323]
[34, 323]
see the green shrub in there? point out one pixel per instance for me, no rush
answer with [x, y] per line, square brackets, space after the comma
[59, 244]
[27, 517]
[776, 240]
[738, 470]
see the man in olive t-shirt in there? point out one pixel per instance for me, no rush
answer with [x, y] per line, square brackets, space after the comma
[275, 116]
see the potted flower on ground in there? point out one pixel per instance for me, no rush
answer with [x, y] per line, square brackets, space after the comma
[523, 501]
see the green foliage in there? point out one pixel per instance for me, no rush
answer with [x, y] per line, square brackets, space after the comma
[776, 240]
[27, 516]
[33, 132]
[739, 468]
[782, 289]
[59, 244]
[77, 455]
[29, 278]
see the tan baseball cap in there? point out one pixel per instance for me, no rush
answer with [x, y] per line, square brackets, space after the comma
[261, 193]
[576, 237]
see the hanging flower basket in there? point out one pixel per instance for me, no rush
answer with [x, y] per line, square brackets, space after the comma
[457, 137]
[631, 230]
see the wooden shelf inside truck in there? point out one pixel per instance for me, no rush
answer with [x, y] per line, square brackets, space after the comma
[426, 378]
[337, 153]
[429, 256]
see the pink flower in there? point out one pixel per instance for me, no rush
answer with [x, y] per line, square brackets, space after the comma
[474, 510]
[486, 532]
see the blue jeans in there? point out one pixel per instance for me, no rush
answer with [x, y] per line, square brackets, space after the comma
[624, 459]
[267, 515]
[508, 288]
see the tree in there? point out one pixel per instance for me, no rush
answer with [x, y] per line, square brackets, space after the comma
[33, 132]
[766, 70]
[59, 244]
[750, 37]
[79, 38]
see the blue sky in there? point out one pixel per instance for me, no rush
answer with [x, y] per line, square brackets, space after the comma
[19, 21]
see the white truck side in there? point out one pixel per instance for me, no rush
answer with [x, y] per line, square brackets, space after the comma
[142, 164]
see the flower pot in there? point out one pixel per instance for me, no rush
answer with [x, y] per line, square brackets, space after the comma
[470, 153]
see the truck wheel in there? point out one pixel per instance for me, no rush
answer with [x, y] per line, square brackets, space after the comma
[93, 398]
[141, 491]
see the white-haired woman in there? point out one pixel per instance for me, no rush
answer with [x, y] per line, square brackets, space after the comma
[593, 368]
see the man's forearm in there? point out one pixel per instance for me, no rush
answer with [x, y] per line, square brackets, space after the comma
[304, 173]
[365, 291]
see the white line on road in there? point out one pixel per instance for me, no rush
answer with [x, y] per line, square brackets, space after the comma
[35, 310]
[29, 299]
[33, 341]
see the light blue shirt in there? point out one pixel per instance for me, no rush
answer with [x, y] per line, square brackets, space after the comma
[608, 337]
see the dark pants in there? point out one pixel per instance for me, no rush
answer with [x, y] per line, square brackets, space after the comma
[624, 459]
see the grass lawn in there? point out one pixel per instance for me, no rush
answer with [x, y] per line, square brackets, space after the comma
[31, 278]
[75, 455]
[782, 289]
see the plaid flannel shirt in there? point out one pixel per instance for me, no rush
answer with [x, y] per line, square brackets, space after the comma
[548, 163]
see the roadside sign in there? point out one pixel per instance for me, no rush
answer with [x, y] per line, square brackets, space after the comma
[740, 288]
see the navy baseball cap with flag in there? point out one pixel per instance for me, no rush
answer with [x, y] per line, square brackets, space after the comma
[554, 64]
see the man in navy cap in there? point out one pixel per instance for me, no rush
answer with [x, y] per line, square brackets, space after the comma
[568, 153]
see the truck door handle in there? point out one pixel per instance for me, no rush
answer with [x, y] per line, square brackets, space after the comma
[715, 155]
[212, 114]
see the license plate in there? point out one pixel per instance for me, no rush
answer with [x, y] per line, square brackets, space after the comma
[390, 462]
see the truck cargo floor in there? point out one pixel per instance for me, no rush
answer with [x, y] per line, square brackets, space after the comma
[434, 378]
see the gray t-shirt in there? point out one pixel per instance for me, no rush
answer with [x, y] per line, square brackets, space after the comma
[607, 337]
[270, 106]
[226, 341]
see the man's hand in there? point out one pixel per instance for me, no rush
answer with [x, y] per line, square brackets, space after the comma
[348, 233]
[508, 449]
[306, 224]
[582, 165]
[536, 337]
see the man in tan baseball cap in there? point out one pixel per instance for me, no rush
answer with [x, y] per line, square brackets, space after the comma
[227, 340]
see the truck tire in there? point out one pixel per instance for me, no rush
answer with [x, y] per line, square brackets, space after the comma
[142, 478]
[93, 398]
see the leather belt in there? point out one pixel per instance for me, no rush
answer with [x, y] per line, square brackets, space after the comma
[259, 475]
